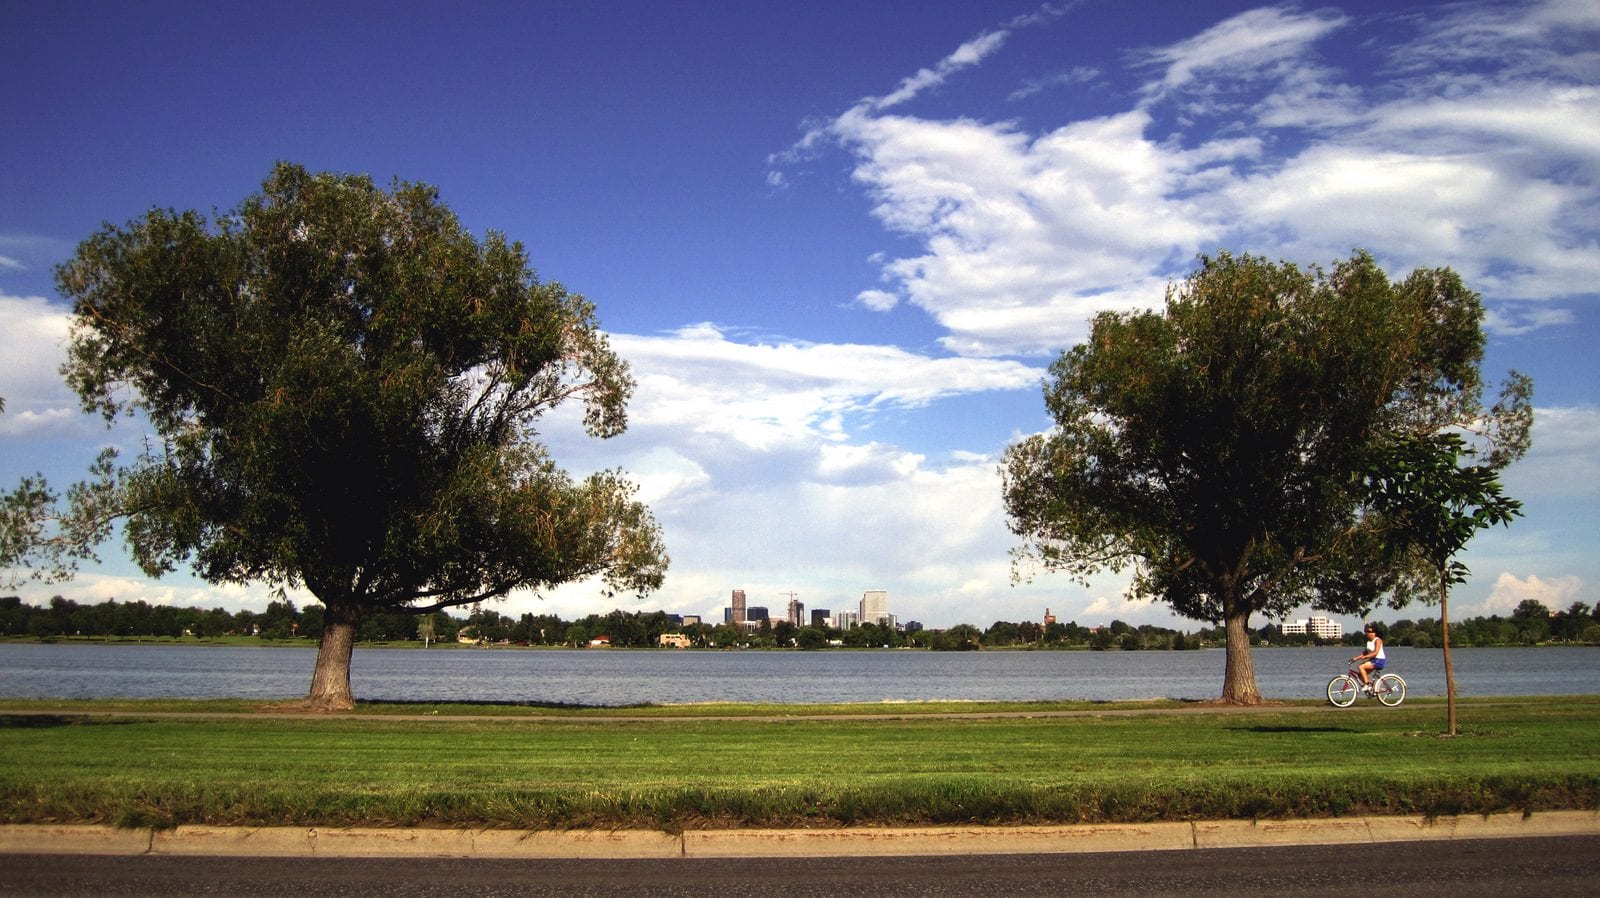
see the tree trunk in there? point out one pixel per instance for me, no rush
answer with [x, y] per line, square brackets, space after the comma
[1239, 672]
[1449, 669]
[330, 681]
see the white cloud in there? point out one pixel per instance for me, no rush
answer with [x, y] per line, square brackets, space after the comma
[33, 336]
[1249, 41]
[1027, 239]
[1024, 235]
[754, 455]
[878, 300]
[768, 395]
[1510, 591]
[663, 472]
[1105, 609]
[93, 587]
[965, 56]
[1511, 321]
[1564, 461]
[1076, 75]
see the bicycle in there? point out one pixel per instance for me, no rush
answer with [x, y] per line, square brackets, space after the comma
[1344, 689]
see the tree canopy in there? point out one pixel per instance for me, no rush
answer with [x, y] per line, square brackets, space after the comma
[345, 384]
[1221, 448]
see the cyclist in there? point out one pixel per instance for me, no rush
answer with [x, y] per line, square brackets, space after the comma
[1372, 659]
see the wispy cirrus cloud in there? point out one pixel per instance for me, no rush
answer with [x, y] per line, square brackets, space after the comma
[969, 54]
[1252, 44]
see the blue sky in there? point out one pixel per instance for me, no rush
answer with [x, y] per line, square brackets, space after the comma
[840, 242]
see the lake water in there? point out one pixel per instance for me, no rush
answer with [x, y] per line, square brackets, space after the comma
[620, 677]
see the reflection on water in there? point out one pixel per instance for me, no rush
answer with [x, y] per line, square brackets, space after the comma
[622, 677]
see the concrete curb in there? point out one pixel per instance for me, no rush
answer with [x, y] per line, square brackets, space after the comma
[288, 841]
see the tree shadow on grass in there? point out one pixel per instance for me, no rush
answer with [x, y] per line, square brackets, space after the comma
[48, 721]
[497, 703]
[1296, 729]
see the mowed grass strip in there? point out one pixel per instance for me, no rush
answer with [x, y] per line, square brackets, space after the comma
[687, 772]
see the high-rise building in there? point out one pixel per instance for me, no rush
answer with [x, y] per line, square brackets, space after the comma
[819, 617]
[875, 607]
[738, 607]
[797, 612]
[756, 614]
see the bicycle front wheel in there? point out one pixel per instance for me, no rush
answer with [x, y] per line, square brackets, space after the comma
[1342, 690]
[1391, 689]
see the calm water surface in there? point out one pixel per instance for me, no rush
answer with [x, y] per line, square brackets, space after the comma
[618, 677]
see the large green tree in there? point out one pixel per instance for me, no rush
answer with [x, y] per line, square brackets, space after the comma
[345, 384]
[1220, 448]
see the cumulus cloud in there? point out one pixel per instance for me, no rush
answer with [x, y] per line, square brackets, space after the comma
[878, 300]
[33, 336]
[757, 456]
[1105, 609]
[1510, 591]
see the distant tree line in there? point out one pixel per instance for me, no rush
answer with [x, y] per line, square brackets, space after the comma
[1531, 623]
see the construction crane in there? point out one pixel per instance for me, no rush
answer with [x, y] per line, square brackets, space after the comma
[789, 614]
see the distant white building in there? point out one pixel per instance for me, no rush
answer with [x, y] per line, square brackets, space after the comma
[1318, 626]
[875, 607]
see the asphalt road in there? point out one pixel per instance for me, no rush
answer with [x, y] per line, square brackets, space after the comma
[1553, 867]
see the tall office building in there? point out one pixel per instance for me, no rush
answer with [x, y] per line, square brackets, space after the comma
[738, 607]
[875, 606]
[797, 612]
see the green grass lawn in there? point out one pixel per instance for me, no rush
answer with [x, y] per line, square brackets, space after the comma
[889, 765]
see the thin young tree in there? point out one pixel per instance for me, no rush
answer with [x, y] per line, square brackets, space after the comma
[1219, 448]
[1432, 494]
[345, 385]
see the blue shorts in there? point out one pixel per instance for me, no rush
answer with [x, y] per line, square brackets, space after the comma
[1377, 663]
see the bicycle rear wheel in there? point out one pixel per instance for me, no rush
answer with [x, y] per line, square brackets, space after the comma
[1391, 689]
[1342, 690]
